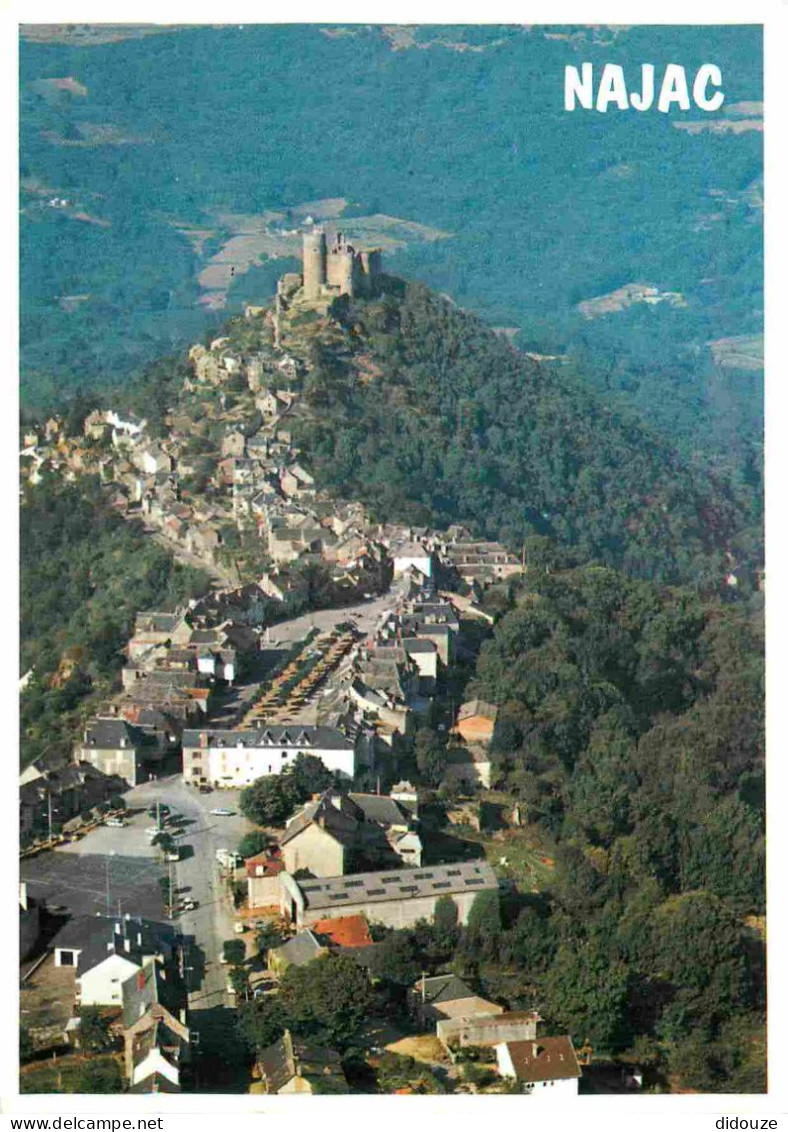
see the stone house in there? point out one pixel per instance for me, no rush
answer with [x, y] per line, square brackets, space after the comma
[262, 880]
[476, 721]
[117, 748]
[156, 1038]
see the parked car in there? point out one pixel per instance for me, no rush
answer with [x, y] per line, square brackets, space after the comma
[221, 812]
[189, 905]
[204, 789]
[239, 927]
[115, 822]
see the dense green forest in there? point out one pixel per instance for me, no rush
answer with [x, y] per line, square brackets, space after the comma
[85, 572]
[631, 729]
[461, 129]
[459, 427]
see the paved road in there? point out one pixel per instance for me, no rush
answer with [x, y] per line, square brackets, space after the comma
[366, 614]
[197, 877]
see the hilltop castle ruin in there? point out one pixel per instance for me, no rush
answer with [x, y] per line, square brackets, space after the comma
[331, 268]
[334, 267]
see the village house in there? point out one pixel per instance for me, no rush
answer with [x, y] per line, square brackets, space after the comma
[546, 1068]
[236, 758]
[293, 1065]
[152, 628]
[467, 768]
[117, 748]
[262, 880]
[444, 997]
[413, 554]
[156, 1038]
[296, 952]
[233, 442]
[62, 794]
[335, 832]
[479, 1029]
[398, 898]
[476, 722]
[107, 950]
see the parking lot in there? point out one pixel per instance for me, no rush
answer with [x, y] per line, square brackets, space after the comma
[90, 882]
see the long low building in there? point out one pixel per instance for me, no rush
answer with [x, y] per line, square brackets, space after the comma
[237, 758]
[397, 898]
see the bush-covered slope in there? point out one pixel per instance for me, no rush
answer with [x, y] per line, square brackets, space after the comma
[84, 574]
[432, 417]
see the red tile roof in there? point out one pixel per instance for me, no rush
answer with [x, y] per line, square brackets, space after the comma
[345, 931]
[269, 865]
[544, 1059]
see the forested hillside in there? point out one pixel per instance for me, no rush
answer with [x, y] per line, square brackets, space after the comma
[631, 729]
[84, 573]
[425, 414]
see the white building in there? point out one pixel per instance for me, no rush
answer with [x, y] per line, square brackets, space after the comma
[412, 554]
[106, 951]
[546, 1068]
[237, 758]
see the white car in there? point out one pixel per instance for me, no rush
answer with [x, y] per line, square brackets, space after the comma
[222, 813]
[117, 823]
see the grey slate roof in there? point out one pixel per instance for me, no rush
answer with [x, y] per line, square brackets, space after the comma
[381, 809]
[96, 937]
[273, 735]
[441, 988]
[398, 884]
[147, 987]
[106, 734]
[292, 1056]
[300, 950]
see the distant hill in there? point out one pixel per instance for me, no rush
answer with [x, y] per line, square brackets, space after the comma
[425, 414]
[153, 165]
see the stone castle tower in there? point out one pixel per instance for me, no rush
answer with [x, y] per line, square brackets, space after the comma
[336, 268]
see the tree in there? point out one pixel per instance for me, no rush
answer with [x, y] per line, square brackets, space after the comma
[94, 1032]
[263, 1021]
[430, 751]
[165, 841]
[395, 959]
[445, 920]
[484, 918]
[117, 802]
[698, 946]
[239, 980]
[253, 843]
[585, 992]
[328, 999]
[267, 937]
[234, 950]
[269, 800]
[310, 776]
